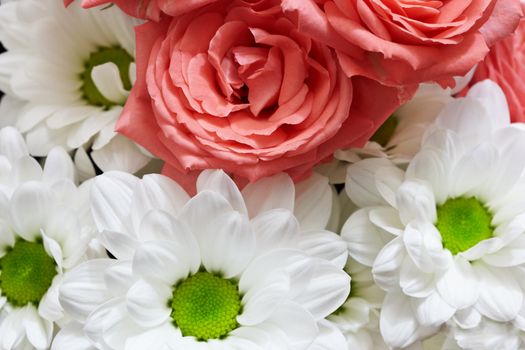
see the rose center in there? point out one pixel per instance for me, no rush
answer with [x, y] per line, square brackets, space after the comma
[463, 222]
[384, 134]
[206, 306]
[26, 273]
[122, 60]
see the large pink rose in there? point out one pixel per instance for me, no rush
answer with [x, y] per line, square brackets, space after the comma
[234, 88]
[400, 41]
[505, 64]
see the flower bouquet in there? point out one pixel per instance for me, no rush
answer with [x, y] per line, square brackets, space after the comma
[262, 175]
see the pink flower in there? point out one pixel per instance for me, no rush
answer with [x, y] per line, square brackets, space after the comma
[399, 41]
[233, 88]
[505, 64]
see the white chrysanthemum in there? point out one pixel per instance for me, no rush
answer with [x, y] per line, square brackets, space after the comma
[446, 239]
[67, 74]
[355, 325]
[43, 233]
[221, 270]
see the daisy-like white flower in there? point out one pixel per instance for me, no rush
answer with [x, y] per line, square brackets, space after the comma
[446, 238]
[355, 325]
[399, 138]
[221, 270]
[43, 233]
[66, 75]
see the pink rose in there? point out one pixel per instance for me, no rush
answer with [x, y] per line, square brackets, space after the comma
[233, 88]
[505, 64]
[399, 41]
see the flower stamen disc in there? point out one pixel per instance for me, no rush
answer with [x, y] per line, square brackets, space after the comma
[463, 223]
[117, 55]
[206, 306]
[27, 272]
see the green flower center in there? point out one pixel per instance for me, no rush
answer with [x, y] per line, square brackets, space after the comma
[27, 272]
[206, 306]
[386, 131]
[117, 55]
[463, 223]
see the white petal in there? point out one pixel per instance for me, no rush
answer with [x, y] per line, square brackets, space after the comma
[106, 78]
[365, 240]
[459, 285]
[398, 323]
[387, 181]
[165, 261]
[111, 199]
[163, 337]
[49, 307]
[218, 181]
[327, 290]
[415, 282]
[269, 193]
[227, 244]
[493, 99]
[12, 329]
[33, 198]
[511, 255]
[432, 310]
[12, 144]
[387, 265]
[297, 324]
[260, 303]
[71, 336]
[500, 294]
[38, 330]
[84, 288]
[120, 245]
[313, 202]
[148, 304]
[58, 166]
[468, 318]
[361, 181]
[325, 245]
[329, 338]
[423, 244]
[120, 154]
[415, 201]
[25, 169]
[275, 228]
[159, 225]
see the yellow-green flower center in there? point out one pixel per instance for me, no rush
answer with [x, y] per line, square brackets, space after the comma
[206, 306]
[384, 134]
[26, 273]
[117, 55]
[463, 223]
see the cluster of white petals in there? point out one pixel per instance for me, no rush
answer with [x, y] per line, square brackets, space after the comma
[433, 279]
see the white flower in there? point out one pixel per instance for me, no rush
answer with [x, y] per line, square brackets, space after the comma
[66, 75]
[221, 270]
[44, 232]
[446, 239]
[355, 325]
